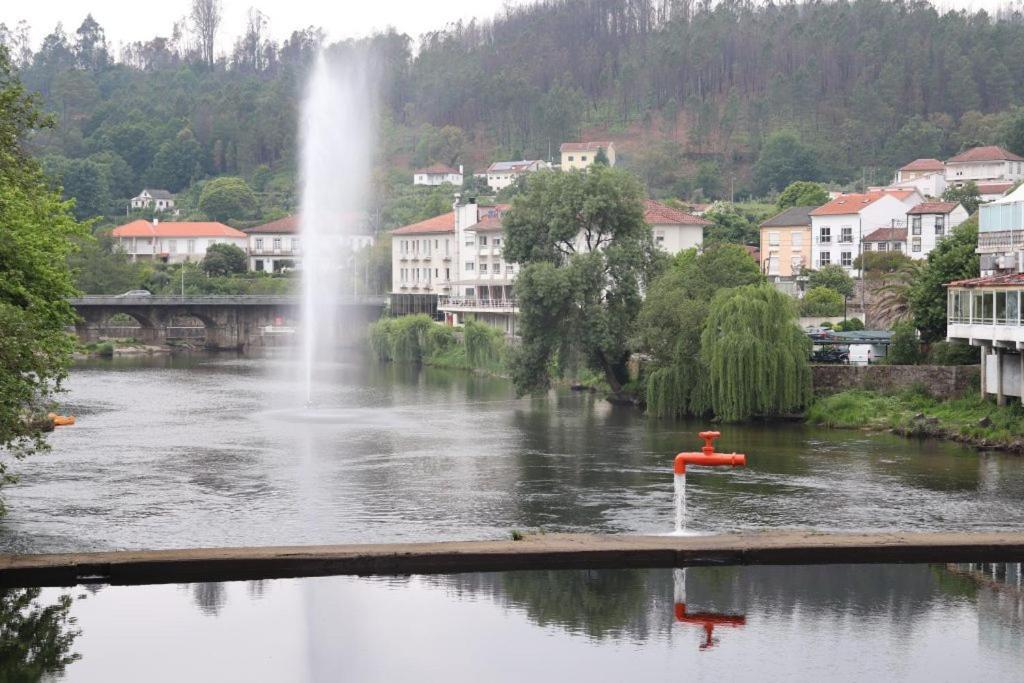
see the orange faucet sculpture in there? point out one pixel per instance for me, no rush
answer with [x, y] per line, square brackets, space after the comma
[708, 621]
[707, 456]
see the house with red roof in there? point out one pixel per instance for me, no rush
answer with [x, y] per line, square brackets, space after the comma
[674, 230]
[422, 264]
[838, 228]
[174, 242]
[278, 244]
[927, 176]
[991, 166]
[437, 174]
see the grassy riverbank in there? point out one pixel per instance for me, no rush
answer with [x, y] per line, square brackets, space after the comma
[969, 420]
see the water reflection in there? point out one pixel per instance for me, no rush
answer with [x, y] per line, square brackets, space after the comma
[907, 622]
[36, 634]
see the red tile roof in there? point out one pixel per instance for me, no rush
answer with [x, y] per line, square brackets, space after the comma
[141, 228]
[993, 188]
[489, 224]
[933, 207]
[656, 213]
[853, 203]
[443, 223]
[886, 235]
[924, 165]
[583, 146]
[990, 281]
[989, 153]
[437, 169]
[286, 225]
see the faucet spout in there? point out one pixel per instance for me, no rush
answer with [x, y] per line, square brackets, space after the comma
[707, 457]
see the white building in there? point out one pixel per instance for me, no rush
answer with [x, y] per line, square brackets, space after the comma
[927, 176]
[160, 200]
[984, 165]
[422, 264]
[437, 174]
[839, 227]
[1001, 234]
[580, 155]
[986, 312]
[674, 230]
[278, 244]
[501, 174]
[174, 242]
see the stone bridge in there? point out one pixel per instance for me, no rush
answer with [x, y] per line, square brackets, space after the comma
[231, 322]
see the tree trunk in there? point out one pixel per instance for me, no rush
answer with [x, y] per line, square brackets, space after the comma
[609, 374]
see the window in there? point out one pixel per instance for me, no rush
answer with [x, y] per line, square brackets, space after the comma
[915, 244]
[436, 274]
[882, 246]
[825, 235]
[483, 267]
[846, 259]
[659, 238]
[773, 239]
[1013, 308]
[897, 246]
[435, 244]
[295, 244]
[483, 240]
[470, 292]
[824, 259]
[277, 244]
[846, 234]
[469, 265]
[583, 157]
[258, 266]
[570, 158]
[190, 246]
[447, 248]
[940, 225]
[796, 263]
[867, 246]
[796, 238]
[496, 241]
[915, 225]
[469, 241]
[508, 269]
[172, 246]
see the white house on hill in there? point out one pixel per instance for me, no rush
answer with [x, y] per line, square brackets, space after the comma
[160, 200]
[437, 174]
[501, 174]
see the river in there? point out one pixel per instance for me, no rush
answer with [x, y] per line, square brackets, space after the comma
[200, 450]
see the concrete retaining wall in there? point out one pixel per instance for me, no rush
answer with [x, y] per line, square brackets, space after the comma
[941, 381]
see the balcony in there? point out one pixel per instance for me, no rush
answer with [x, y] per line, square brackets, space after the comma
[263, 251]
[474, 305]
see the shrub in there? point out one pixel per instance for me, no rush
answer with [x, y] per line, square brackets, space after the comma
[904, 349]
[821, 301]
[949, 353]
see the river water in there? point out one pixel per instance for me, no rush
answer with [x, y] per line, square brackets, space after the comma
[218, 451]
[837, 623]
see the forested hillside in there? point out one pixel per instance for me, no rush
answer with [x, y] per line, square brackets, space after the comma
[700, 98]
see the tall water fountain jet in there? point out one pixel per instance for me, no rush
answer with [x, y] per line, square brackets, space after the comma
[337, 140]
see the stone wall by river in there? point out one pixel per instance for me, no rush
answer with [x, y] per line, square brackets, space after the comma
[941, 381]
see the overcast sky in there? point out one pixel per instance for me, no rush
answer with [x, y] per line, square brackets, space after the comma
[126, 21]
[129, 21]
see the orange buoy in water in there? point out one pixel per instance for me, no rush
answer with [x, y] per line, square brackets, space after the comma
[61, 420]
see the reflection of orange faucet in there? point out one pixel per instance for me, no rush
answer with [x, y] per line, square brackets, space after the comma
[708, 620]
[707, 456]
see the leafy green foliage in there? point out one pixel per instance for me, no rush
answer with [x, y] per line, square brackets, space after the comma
[952, 353]
[418, 339]
[586, 255]
[783, 160]
[952, 259]
[35, 242]
[756, 354]
[821, 301]
[967, 196]
[225, 198]
[732, 225]
[803, 193]
[904, 349]
[849, 325]
[832, 276]
[223, 259]
[98, 268]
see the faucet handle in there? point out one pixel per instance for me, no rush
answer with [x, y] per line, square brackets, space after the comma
[709, 441]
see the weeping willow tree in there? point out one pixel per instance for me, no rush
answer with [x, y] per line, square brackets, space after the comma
[756, 354]
[409, 339]
[484, 344]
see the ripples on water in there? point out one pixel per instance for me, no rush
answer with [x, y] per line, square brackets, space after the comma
[206, 451]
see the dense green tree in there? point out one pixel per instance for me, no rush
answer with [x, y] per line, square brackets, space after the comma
[967, 196]
[87, 183]
[802, 193]
[731, 225]
[784, 159]
[832, 276]
[177, 163]
[223, 259]
[954, 258]
[225, 198]
[99, 268]
[35, 241]
[1015, 134]
[821, 301]
[586, 256]
[756, 354]
[904, 349]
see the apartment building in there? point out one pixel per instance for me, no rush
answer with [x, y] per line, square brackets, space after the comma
[839, 227]
[786, 242]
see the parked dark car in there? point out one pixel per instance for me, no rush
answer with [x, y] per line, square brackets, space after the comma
[830, 354]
